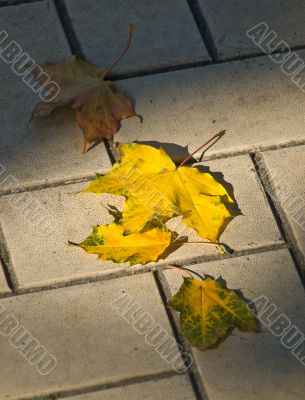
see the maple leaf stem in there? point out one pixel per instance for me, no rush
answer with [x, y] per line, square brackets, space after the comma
[190, 272]
[220, 246]
[216, 136]
[211, 243]
[111, 150]
[107, 72]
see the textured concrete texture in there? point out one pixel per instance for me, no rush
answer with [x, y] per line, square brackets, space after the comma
[228, 21]
[41, 260]
[285, 172]
[92, 342]
[244, 97]
[250, 365]
[4, 289]
[175, 388]
[44, 256]
[48, 149]
[36, 28]
[165, 33]
[62, 297]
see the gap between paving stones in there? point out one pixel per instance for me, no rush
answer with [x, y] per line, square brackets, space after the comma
[7, 3]
[282, 222]
[199, 391]
[12, 280]
[86, 389]
[174, 320]
[67, 27]
[280, 218]
[17, 291]
[199, 21]
[7, 274]
[203, 28]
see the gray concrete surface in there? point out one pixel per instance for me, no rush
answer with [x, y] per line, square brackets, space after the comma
[165, 34]
[99, 355]
[228, 20]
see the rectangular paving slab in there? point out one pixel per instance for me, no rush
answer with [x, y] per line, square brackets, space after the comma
[175, 388]
[285, 171]
[87, 336]
[228, 21]
[165, 33]
[47, 149]
[252, 99]
[43, 256]
[249, 365]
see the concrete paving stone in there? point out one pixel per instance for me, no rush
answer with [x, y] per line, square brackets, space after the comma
[48, 149]
[3, 284]
[165, 33]
[92, 343]
[252, 99]
[43, 257]
[175, 388]
[37, 29]
[249, 365]
[228, 21]
[286, 171]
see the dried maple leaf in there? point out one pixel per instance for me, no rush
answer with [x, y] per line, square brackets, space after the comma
[99, 108]
[208, 310]
[108, 242]
[156, 189]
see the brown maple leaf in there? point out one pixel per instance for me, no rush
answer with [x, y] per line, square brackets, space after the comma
[99, 107]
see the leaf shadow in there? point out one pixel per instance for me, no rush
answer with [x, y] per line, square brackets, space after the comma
[234, 208]
[174, 245]
[57, 117]
[176, 152]
[219, 177]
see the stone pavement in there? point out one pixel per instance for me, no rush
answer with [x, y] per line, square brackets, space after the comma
[191, 71]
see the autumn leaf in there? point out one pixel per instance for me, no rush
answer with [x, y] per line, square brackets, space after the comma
[155, 188]
[108, 242]
[208, 310]
[98, 106]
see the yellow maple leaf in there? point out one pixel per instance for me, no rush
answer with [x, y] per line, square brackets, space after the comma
[156, 189]
[208, 310]
[108, 242]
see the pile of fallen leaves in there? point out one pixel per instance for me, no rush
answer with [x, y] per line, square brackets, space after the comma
[155, 191]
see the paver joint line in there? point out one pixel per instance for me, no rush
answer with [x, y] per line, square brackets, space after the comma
[203, 29]
[279, 218]
[68, 28]
[125, 273]
[199, 392]
[91, 389]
